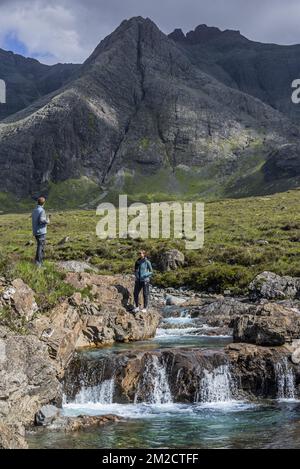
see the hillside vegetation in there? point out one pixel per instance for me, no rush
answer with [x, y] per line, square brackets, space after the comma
[242, 238]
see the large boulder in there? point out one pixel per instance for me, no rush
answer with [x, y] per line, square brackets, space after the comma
[46, 415]
[274, 287]
[271, 324]
[220, 311]
[19, 298]
[170, 260]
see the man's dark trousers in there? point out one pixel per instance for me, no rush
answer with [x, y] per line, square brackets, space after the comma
[40, 249]
[138, 286]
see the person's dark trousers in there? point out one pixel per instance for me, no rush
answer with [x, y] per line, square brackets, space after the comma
[40, 249]
[138, 286]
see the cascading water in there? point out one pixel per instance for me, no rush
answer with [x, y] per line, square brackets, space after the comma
[216, 385]
[285, 380]
[101, 394]
[154, 387]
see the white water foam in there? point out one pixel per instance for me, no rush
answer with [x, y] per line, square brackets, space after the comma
[175, 332]
[216, 386]
[142, 411]
[285, 380]
[154, 379]
[100, 394]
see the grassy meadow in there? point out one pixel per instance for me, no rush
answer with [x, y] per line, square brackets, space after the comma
[242, 238]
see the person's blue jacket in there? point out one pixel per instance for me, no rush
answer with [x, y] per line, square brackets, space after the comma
[143, 269]
[39, 221]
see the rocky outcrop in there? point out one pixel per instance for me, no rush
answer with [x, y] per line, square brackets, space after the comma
[272, 324]
[242, 371]
[75, 424]
[60, 331]
[141, 376]
[170, 260]
[264, 371]
[19, 299]
[102, 319]
[283, 163]
[273, 287]
[28, 379]
[220, 311]
[32, 364]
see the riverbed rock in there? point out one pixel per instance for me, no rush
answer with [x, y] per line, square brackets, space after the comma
[75, 424]
[219, 312]
[263, 371]
[106, 326]
[274, 287]
[272, 324]
[46, 415]
[295, 357]
[175, 300]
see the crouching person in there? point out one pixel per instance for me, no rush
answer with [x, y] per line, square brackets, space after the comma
[143, 272]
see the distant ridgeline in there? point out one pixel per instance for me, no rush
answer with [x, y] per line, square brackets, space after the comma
[204, 115]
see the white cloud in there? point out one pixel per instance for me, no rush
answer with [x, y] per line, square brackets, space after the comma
[49, 30]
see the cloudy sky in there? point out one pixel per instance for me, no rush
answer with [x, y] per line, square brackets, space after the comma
[68, 30]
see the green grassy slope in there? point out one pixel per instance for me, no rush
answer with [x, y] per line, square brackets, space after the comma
[242, 238]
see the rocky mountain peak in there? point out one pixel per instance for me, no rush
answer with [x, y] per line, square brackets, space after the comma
[203, 33]
[129, 30]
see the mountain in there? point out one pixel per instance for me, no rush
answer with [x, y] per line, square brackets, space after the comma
[265, 71]
[27, 80]
[144, 115]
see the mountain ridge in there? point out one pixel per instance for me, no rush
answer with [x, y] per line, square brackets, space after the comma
[140, 115]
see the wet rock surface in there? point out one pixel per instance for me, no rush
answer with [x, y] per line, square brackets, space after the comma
[271, 324]
[139, 376]
[265, 372]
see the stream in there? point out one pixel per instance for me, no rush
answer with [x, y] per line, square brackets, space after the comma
[215, 419]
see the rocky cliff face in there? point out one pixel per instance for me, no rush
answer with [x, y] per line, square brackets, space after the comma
[142, 113]
[252, 67]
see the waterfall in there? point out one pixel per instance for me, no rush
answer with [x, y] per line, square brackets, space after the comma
[285, 380]
[216, 385]
[154, 387]
[101, 394]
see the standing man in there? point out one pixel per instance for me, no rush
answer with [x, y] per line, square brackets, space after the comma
[39, 229]
[143, 271]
